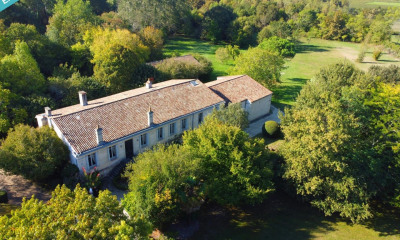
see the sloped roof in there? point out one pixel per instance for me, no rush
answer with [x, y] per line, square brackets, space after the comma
[185, 59]
[125, 113]
[238, 88]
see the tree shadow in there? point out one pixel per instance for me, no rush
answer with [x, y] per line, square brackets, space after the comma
[307, 48]
[288, 93]
[386, 220]
[279, 217]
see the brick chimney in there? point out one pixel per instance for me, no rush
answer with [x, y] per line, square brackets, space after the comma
[82, 98]
[99, 135]
[150, 117]
[149, 82]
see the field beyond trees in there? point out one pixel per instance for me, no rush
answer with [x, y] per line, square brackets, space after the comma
[312, 55]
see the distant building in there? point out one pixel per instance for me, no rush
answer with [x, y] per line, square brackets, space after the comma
[104, 131]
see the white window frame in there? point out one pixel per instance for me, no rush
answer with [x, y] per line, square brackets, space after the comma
[115, 153]
[184, 124]
[200, 118]
[143, 136]
[160, 130]
[88, 160]
[172, 126]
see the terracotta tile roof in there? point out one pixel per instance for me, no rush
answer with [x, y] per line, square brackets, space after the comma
[238, 88]
[185, 58]
[125, 113]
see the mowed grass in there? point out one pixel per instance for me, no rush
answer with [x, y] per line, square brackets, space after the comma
[282, 217]
[314, 54]
[374, 3]
[184, 46]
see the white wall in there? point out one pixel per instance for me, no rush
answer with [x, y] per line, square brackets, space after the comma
[259, 108]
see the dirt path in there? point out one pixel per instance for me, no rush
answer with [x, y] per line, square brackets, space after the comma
[18, 187]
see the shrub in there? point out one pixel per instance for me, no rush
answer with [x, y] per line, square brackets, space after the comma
[377, 54]
[70, 175]
[3, 196]
[271, 129]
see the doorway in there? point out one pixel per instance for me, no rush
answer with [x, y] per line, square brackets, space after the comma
[129, 149]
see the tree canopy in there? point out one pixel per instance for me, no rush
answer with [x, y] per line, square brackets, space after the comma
[72, 215]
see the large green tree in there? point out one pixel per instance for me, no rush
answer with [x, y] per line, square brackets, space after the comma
[69, 22]
[116, 55]
[235, 168]
[233, 115]
[164, 183]
[71, 215]
[263, 66]
[332, 151]
[36, 154]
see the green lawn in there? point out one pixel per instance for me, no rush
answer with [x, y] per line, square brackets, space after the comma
[314, 54]
[374, 3]
[184, 45]
[282, 217]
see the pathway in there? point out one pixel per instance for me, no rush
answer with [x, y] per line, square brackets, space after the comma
[255, 127]
[18, 187]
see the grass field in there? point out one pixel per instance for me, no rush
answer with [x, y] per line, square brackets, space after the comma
[311, 56]
[183, 46]
[374, 3]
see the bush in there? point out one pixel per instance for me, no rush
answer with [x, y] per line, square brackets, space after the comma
[377, 54]
[3, 196]
[271, 129]
[361, 56]
[70, 175]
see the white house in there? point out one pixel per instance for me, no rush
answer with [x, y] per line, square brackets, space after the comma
[104, 131]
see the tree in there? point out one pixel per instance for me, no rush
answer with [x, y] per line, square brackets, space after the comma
[154, 39]
[165, 15]
[282, 47]
[262, 65]
[70, 21]
[116, 55]
[235, 168]
[233, 115]
[20, 73]
[36, 154]
[72, 214]
[276, 28]
[163, 183]
[217, 22]
[331, 149]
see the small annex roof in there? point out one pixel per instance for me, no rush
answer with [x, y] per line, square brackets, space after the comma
[238, 88]
[185, 59]
[125, 113]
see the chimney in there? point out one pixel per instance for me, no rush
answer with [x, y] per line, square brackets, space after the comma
[47, 110]
[149, 82]
[42, 120]
[150, 117]
[82, 98]
[99, 135]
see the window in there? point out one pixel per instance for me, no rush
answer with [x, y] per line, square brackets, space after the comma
[143, 139]
[183, 124]
[200, 117]
[160, 133]
[112, 152]
[92, 160]
[172, 129]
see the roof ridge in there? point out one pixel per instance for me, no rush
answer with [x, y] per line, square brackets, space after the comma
[227, 80]
[105, 104]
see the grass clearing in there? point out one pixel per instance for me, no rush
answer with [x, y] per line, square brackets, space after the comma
[184, 46]
[314, 54]
[374, 3]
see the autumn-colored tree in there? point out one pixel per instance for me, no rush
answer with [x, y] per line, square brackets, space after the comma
[116, 55]
[153, 38]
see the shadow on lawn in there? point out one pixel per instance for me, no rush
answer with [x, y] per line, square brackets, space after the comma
[189, 45]
[386, 220]
[307, 48]
[279, 217]
[288, 93]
